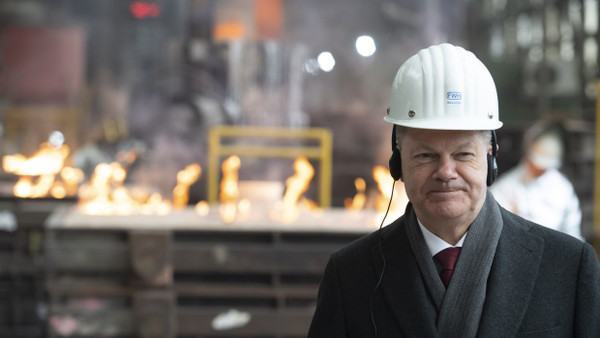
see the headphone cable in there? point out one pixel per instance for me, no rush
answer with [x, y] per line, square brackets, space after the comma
[382, 259]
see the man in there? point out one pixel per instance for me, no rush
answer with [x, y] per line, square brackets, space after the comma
[535, 189]
[512, 277]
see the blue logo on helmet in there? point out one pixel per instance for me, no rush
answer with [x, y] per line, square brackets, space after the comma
[454, 96]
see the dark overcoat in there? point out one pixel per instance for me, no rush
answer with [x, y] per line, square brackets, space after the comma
[542, 283]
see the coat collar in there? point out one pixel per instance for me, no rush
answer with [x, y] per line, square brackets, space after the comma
[511, 280]
[402, 285]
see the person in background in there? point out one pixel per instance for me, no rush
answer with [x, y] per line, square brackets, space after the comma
[456, 264]
[535, 189]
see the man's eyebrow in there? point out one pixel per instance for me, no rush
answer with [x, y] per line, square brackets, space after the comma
[466, 145]
[422, 145]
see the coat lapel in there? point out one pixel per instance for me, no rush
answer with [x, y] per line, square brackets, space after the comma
[512, 278]
[402, 285]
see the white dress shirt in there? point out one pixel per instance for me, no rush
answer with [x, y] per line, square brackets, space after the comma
[436, 244]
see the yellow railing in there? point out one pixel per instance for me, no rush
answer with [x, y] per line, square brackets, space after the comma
[321, 152]
[596, 234]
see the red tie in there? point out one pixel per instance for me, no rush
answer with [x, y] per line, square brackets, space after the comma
[448, 259]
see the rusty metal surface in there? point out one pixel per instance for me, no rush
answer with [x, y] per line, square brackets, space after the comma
[332, 220]
[192, 279]
[155, 314]
[150, 256]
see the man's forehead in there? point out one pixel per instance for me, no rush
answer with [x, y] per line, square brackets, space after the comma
[437, 133]
[455, 138]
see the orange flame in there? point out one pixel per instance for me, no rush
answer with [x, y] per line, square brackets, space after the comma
[105, 193]
[229, 183]
[46, 163]
[71, 178]
[229, 188]
[359, 200]
[185, 178]
[48, 160]
[202, 208]
[95, 196]
[44, 173]
[296, 186]
[385, 182]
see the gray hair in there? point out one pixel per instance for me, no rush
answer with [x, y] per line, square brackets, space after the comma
[486, 135]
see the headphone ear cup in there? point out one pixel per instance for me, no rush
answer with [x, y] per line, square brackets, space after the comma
[395, 165]
[492, 169]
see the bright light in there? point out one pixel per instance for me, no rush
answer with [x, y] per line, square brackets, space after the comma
[326, 61]
[365, 45]
[56, 139]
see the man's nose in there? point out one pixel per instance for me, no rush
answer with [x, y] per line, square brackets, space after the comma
[446, 170]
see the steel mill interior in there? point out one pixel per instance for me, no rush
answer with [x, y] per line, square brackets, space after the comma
[184, 168]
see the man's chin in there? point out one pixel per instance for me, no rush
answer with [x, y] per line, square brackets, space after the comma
[445, 196]
[446, 209]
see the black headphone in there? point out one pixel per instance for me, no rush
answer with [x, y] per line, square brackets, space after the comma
[491, 161]
[395, 162]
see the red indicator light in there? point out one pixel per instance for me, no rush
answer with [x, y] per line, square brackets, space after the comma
[144, 10]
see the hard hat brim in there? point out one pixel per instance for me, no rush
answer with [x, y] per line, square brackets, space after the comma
[447, 124]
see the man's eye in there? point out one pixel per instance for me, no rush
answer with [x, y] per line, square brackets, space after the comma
[465, 155]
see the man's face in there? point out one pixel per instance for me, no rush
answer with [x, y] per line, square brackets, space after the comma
[444, 173]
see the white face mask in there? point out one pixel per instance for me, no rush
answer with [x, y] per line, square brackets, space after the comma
[547, 152]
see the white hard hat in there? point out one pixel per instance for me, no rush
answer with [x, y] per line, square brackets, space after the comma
[444, 87]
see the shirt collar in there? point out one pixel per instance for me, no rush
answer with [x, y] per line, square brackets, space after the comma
[436, 244]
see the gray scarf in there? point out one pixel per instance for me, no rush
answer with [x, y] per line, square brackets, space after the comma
[460, 307]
